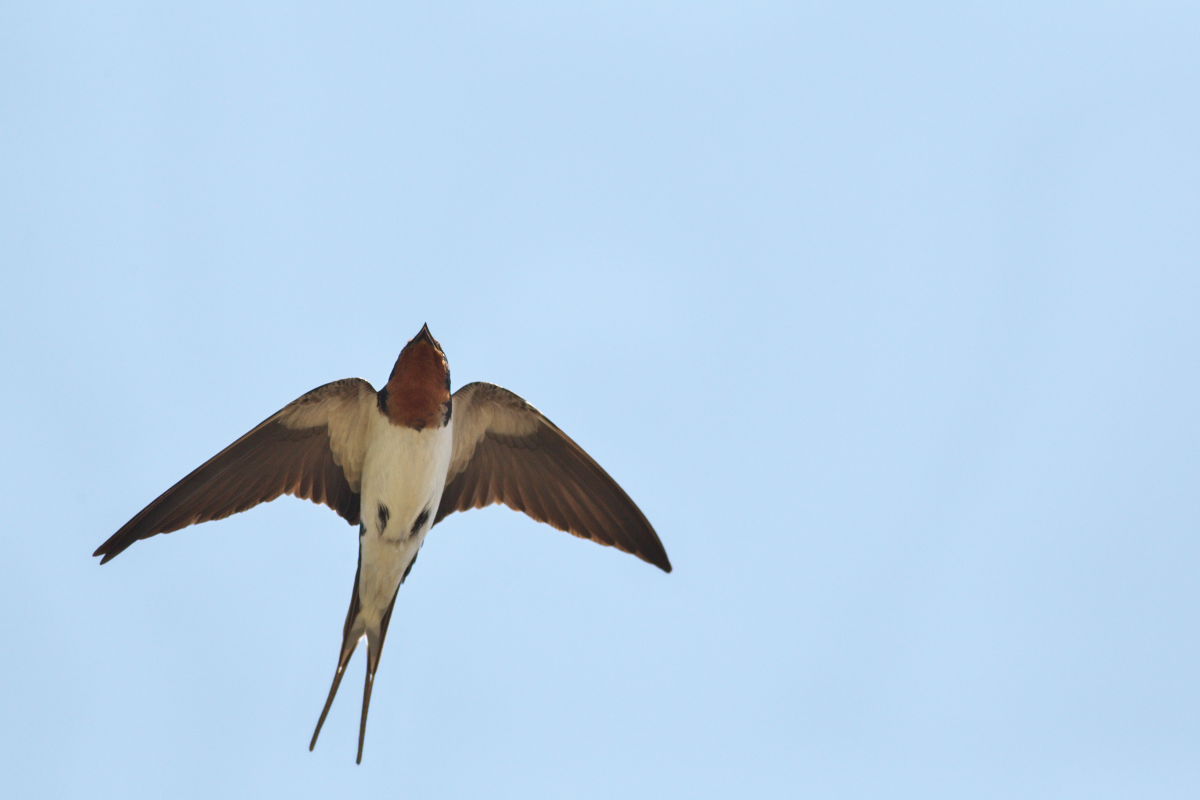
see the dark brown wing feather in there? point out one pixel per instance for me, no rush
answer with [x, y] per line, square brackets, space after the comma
[506, 451]
[312, 448]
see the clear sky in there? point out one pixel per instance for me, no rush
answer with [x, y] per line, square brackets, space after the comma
[885, 314]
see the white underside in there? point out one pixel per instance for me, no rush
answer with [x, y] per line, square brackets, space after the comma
[405, 471]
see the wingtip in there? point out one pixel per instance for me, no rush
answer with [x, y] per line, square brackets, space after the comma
[657, 556]
[108, 551]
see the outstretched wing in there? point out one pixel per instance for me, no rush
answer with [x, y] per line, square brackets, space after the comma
[506, 452]
[312, 448]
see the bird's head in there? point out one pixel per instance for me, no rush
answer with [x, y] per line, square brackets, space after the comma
[418, 390]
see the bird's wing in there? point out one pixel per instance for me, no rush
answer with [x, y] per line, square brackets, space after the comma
[506, 452]
[312, 448]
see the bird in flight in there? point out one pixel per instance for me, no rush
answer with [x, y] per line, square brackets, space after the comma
[395, 462]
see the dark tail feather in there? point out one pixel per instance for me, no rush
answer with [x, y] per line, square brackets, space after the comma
[362, 725]
[347, 651]
[349, 643]
[374, 652]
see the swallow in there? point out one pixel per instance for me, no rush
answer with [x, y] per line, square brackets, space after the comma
[396, 462]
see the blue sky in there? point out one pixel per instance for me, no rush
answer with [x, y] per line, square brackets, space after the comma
[886, 317]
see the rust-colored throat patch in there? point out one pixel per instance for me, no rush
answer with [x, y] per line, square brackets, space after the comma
[418, 391]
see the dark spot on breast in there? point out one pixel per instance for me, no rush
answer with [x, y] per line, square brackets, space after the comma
[384, 514]
[449, 411]
[382, 395]
[420, 522]
[362, 530]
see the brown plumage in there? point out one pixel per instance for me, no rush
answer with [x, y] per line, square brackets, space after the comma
[305, 449]
[506, 451]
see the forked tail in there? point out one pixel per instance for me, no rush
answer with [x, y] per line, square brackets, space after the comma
[354, 630]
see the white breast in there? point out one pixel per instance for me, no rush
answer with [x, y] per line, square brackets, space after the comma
[404, 473]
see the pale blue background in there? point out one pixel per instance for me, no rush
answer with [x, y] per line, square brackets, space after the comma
[886, 314]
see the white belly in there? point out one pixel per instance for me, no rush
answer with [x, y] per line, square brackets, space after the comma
[404, 473]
